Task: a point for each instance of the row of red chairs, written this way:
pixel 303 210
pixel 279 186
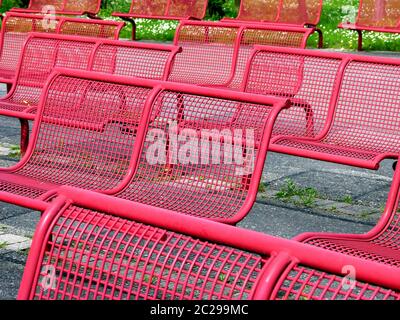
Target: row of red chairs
pixel 378 16
pixel 94 132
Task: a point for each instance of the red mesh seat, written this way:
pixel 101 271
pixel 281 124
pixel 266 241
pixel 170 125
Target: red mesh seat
pixel 164 10
pixel 91 246
pixel 67 7
pixel 85 136
pixel 216 53
pixel 381 244
pixel 379 16
pixel 16 28
pixel 344 107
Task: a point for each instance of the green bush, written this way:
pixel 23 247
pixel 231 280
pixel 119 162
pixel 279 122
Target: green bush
pixel 8 4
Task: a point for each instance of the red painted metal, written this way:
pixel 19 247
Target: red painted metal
pixel 67 7
pixel 16 27
pixel 92 246
pixel 98 139
pixel 378 16
pixel 344 107
pixel 289 12
pixel 381 244
pixel 166 9
pixel 216 53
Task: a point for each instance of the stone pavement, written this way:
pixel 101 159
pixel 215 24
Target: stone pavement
pixel 297 195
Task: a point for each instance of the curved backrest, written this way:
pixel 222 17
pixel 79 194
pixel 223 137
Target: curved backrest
pixel 297 12
pixel 384 14
pixel 91 6
pixel 170 8
pixel 90 28
pixel 309 80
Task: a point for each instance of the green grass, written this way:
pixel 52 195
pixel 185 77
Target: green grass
pixel 3 245
pixel 348 199
pixel 291 192
pixel 261 187
pixel 15 152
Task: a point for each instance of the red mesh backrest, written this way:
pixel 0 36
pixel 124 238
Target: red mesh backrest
pixel 213 183
pixel 303 283
pixel 39 4
pixel 283 11
pixel 149 7
pixel 14 37
pixel 39 59
pixel 300 11
pixel 66 5
pixel 308 81
pixel 187 8
pixel 81 141
pixel 174 8
pixel 90 29
pixel 251 37
pixel 265 10
pixel 207 55
pixel 138 261
pixel 130 61
pixel 368 108
pixel 385 13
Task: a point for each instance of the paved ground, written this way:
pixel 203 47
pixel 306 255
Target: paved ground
pixel 340 199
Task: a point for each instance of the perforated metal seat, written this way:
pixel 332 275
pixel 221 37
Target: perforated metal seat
pixel 91 246
pixel 378 16
pixel 344 107
pixel 16 27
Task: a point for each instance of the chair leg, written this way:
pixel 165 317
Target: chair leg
pixel 133 23
pixel 394 165
pixel 360 40
pixel 9 86
pixel 24 135
pixel 320 38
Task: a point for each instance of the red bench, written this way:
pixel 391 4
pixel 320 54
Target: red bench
pixel 67 7
pixel 303 13
pixel 92 246
pixel 381 244
pixel 345 108
pixel 163 10
pixel 216 53
pixel 98 136
pixel 16 26
pixel 43 52
pixel 378 16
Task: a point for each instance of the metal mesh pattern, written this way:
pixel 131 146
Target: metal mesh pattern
pixel 42 55
pixel 118 59
pixel 208 55
pixel 96 256
pixel 66 5
pixel 172 8
pixel 203 161
pixel 214 56
pixel 17 29
pixel 82 141
pixel 98 30
pixel 365 125
pixel 384 14
pixel 303 283
pixel 298 12
pixel 309 83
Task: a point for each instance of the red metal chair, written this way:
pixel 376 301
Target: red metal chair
pixel 16 28
pixel 373 15
pixel 303 13
pixel 66 7
pixel 345 107
pixel 163 10
pixel 216 53
pixel 43 52
pixel 381 244
pixel 92 246
pixel 99 136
